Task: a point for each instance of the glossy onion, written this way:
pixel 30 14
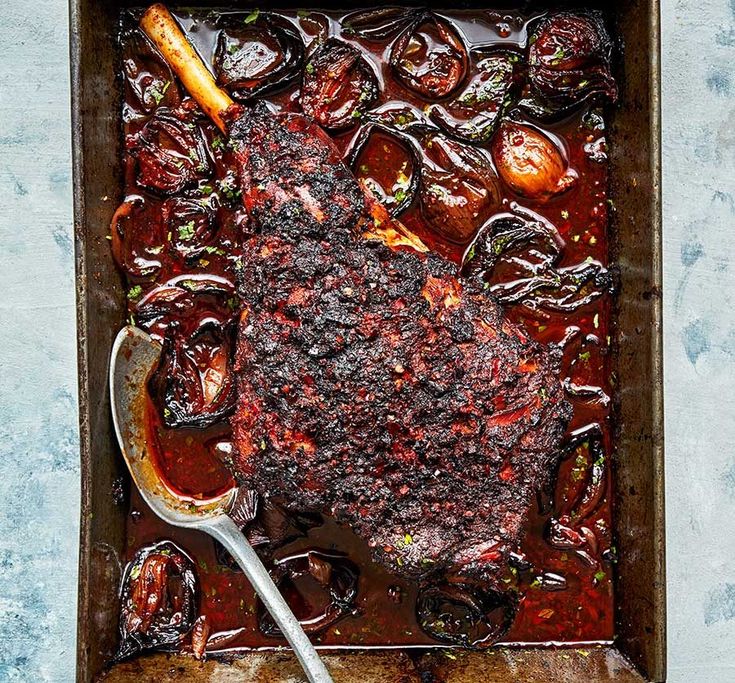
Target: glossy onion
pixel 256 57
pixel 191 224
pixel 430 58
pixel 149 82
pixel 194 383
pixel 386 164
pixel 465 615
pixel 138 237
pixel 339 85
pixel 459 189
pixel 473 114
pixel 171 154
pixel 320 587
pixel 158 599
pixel 529 162
pixel 569 60
pixel 377 24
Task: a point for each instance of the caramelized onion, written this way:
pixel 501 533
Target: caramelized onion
pixel 430 57
pixel 191 224
pixel 377 24
pixel 473 114
pixel 529 162
pixel 171 154
pixel 258 56
pixel 149 82
pixel 193 383
pixel 138 237
pixel 465 615
pixel 459 189
pixel 569 61
pixel 516 256
pixel 384 162
pixel 339 85
pixel 320 587
pixel 158 599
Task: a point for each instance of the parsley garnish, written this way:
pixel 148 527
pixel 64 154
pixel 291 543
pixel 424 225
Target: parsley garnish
pixel 134 292
pixel 252 17
pixel 186 231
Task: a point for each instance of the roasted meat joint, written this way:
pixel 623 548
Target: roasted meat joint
pixel 374 249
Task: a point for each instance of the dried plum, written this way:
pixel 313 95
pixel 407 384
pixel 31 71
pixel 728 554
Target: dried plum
pixel 339 85
pixel 193 383
pixel 320 586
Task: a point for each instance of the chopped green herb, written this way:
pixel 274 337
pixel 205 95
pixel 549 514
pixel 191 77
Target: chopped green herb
pixel 158 93
pixel 310 68
pixel 356 114
pixel 214 250
pixel 408 539
pixel 207 189
pixel 218 142
pixel 186 232
pixel 302 13
pixel 155 250
pixel 399 195
pixel 584 356
pixel 252 17
pixel 596 320
pixel 134 292
pixel 364 168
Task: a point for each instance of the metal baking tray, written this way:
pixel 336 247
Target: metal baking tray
pixel 639 650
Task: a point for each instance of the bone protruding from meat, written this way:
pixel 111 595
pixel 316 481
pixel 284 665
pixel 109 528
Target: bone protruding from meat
pixel 161 27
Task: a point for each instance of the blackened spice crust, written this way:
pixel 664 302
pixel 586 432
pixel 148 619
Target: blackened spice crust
pixel 372 384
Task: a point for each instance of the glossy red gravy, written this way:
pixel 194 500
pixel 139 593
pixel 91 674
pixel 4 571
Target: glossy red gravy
pixel 580 612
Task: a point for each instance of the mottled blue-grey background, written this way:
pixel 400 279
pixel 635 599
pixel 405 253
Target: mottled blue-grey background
pixel 39 470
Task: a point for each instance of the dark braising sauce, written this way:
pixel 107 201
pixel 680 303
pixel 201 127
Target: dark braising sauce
pixel 184 222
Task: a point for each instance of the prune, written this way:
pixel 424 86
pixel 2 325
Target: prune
pixel 465 615
pixel 569 61
pixel 158 599
pixel 459 189
pixel 430 58
pixel 473 114
pixel 529 162
pixel 320 587
pixel 256 53
pixel 171 154
pixel 386 163
pixel 339 85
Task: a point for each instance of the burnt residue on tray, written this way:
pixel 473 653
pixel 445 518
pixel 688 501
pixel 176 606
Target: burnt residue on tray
pixel 433 112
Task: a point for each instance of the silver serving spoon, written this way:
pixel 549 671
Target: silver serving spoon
pixel 134 355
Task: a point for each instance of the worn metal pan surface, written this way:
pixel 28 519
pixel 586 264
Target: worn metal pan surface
pixel 639 650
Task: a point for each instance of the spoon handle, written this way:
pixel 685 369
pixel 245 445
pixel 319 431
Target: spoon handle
pixel 230 536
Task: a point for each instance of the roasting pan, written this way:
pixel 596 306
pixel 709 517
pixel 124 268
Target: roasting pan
pixel 639 651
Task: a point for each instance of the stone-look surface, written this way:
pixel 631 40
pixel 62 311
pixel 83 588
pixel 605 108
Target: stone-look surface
pixel 39 487
pixel 699 285
pixel 39 460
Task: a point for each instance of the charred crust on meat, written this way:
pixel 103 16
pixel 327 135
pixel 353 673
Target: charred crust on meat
pixel 375 386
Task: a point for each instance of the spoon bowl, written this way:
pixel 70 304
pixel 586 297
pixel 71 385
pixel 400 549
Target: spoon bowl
pixel 134 356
